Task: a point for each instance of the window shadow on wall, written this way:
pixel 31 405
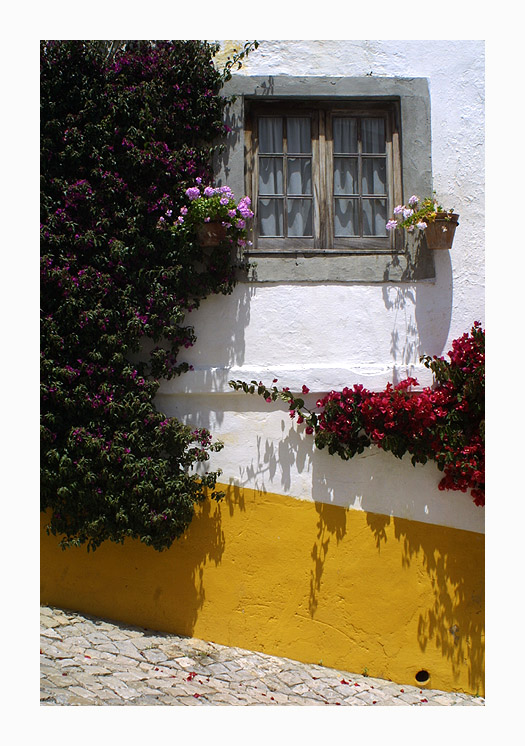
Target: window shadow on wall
pixel 421 312
pixel 434 304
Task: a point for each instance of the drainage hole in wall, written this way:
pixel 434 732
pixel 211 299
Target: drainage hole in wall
pixel 422 676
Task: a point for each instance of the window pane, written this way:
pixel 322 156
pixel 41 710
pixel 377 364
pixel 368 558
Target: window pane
pixel 345 176
pixel 300 217
pixel 345 135
pixel 346 218
pixel 298 135
pixel 271 176
pixel 299 176
pixel 374 176
pixel 373 135
pixel 270 135
pixel 374 217
pixel 271 217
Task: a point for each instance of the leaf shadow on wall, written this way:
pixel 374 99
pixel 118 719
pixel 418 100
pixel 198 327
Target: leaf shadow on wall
pixel 275 463
pixel 131 582
pixel 276 460
pixel 453 623
pixel 331 525
pixel 202 544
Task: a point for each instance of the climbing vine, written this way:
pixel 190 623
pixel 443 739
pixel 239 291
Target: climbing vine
pixel 126 130
pixel 444 423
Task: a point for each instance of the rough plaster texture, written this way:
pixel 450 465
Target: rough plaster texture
pixel 335 334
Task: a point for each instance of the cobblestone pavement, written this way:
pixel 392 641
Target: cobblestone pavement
pixel 88 661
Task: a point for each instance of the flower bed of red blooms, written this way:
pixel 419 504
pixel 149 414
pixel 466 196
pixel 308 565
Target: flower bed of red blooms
pixel 444 422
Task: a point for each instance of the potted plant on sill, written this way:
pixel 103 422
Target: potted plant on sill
pixel 214 216
pixel 429 216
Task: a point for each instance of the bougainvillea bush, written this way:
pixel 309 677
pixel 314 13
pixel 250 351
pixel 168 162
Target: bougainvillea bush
pixel 123 136
pixel 444 422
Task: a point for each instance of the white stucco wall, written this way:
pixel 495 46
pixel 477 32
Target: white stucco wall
pixel 331 336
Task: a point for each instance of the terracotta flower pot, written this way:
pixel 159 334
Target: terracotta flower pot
pixel 211 234
pixel 440 232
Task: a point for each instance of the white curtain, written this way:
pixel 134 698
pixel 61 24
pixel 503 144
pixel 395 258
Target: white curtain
pixel 373 135
pixel 347 155
pixel 298 134
pixel 345 135
pixel 299 217
pixel 374 217
pixel 374 176
pixel 271 176
pixel 271 220
pixel 346 217
pixel 270 135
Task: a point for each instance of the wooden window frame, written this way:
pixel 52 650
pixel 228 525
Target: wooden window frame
pixel 322 113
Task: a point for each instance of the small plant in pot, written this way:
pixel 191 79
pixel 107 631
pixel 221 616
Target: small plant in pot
pixel 429 216
pixel 214 216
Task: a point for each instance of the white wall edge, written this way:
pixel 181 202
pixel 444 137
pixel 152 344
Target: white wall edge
pixel 318 378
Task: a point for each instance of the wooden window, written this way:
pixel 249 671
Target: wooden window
pixel 323 177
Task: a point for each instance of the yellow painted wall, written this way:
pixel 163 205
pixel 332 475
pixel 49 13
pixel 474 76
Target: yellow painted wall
pixel 293 578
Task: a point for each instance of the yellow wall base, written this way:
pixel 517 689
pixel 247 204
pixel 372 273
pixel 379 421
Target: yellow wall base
pixel 363 592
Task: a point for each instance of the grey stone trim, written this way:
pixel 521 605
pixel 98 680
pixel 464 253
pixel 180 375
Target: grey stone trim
pixel 416 262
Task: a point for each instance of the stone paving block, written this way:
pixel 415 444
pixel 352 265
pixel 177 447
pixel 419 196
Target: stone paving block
pixel 94 669
pixel 66 662
pixel 76 643
pixel 81 692
pixel 367 697
pixel 128 648
pixel 51 652
pixel 50 632
pixel 412 699
pixel 127 694
pixel 147 700
pixel 392 702
pixel 163 684
pixel 217 669
pixel 185 662
pixel 190 701
pixel 140 643
pixel 70 630
pixel 108 647
pixel 123 663
pixel 167 666
pixel 62 680
pixel 98 637
pixel 300 689
pixel 93 686
pixel 225 699
pixel 46 622
pixel 290 678
pixel 443 699
pixel 96 654
pixel 130 675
